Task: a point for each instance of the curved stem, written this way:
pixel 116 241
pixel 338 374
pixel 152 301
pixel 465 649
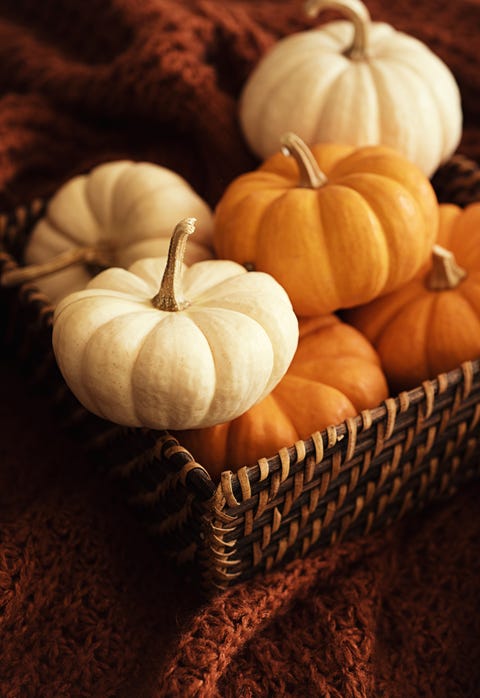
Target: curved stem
pixel 87 255
pixel 311 176
pixel 170 296
pixel 445 272
pixel 357 13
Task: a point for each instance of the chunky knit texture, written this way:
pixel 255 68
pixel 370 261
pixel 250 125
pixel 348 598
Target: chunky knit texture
pixel 158 79
pixel 88 606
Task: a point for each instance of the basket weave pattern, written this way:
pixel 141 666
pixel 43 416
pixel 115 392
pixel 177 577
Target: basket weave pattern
pixel 347 480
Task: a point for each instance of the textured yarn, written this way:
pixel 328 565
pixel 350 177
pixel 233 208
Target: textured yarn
pixel 81 83
pixel 88 605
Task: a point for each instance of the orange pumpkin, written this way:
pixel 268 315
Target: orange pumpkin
pixel 335 225
pixel 432 324
pixel 334 374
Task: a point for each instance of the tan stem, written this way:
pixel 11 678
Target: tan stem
pixel 445 272
pixel 87 255
pixel 170 296
pixel 311 176
pixel 357 13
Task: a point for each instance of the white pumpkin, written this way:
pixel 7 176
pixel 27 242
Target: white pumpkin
pixel 119 212
pixel 356 82
pixel 138 356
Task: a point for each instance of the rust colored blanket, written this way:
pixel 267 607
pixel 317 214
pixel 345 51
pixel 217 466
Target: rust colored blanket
pixel 88 606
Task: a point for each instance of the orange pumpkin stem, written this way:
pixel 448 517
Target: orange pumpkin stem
pixel 88 255
pixel 311 176
pixel 170 296
pixel 357 13
pixel 445 272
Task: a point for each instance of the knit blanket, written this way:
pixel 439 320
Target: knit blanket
pixel 88 605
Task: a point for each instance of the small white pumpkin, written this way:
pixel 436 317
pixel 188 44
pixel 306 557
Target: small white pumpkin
pixel 119 212
pixel 356 82
pixel 140 356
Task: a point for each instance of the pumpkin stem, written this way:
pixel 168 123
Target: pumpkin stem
pixel 87 255
pixel 445 273
pixel 170 296
pixel 311 176
pixel 357 13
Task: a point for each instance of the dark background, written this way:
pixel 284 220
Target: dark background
pixel 88 605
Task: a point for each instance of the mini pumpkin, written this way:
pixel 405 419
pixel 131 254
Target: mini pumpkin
pixel 140 356
pixel 335 225
pixel 432 324
pixel 119 212
pixel 353 81
pixel 334 374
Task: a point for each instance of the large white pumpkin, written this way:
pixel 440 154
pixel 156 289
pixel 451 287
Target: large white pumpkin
pixel 353 81
pixel 140 356
pixel 124 210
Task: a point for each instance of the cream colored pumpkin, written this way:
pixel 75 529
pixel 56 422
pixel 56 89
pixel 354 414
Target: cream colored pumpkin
pixel 142 357
pixel 353 81
pixel 119 212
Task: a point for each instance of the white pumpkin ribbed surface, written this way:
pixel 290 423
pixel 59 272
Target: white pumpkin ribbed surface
pixel 131 363
pixel 131 207
pixel 401 94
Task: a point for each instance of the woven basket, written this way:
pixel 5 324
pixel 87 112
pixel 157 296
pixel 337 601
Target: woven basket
pixel 349 479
